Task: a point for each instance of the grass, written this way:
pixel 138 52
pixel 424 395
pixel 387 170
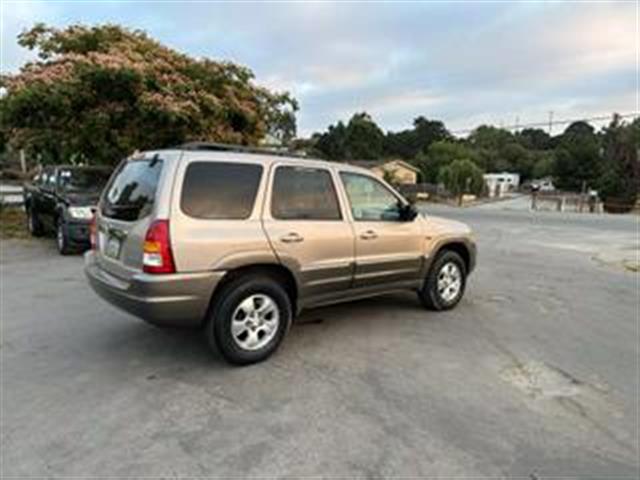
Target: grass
pixel 13 223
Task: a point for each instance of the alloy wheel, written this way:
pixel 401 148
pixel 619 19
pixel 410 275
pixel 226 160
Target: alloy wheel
pixel 255 321
pixel 449 281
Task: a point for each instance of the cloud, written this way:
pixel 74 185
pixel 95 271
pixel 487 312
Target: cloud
pixel 463 63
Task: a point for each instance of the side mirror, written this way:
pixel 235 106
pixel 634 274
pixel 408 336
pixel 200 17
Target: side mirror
pixel 408 212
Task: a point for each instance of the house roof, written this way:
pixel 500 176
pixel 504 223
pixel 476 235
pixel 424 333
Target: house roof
pixel 379 163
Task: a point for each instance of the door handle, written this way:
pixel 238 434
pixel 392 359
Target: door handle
pixel 368 235
pixel 292 237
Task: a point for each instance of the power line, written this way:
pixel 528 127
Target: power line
pixel 550 123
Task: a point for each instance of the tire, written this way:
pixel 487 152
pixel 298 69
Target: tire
pixel 448 268
pixel 33 224
pixel 62 238
pixel 249 319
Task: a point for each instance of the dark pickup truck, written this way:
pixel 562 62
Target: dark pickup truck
pixel 61 199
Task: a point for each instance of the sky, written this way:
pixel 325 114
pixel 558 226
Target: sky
pixel 462 62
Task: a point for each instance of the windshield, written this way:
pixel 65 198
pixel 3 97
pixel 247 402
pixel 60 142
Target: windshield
pixel 83 180
pixel 132 191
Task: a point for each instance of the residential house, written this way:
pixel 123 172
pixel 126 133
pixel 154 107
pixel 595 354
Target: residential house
pixel 400 171
pixel 498 184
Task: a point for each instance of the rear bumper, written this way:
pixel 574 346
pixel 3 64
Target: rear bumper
pixel 176 299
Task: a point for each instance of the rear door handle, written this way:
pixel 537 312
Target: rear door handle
pixel 292 237
pixel 368 235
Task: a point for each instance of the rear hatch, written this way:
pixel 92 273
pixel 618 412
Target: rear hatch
pixel 126 210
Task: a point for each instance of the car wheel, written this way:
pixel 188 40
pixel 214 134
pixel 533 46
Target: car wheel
pixel 445 282
pixel 62 238
pixel 249 319
pixel 33 224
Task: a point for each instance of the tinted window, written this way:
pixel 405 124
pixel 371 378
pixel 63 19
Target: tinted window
pixel 370 199
pixel 83 179
pixel 131 193
pixel 220 190
pixel 301 193
pixel 48 179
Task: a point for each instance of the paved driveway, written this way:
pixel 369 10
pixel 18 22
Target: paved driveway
pixel 534 374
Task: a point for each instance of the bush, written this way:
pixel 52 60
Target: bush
pixel 462 176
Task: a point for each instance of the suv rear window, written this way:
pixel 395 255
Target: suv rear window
pixel 132 191
pixel 220 190
pixel 302 193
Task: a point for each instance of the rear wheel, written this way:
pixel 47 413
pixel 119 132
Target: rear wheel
pixel 445 283
pixel 249 319
pixel 33 224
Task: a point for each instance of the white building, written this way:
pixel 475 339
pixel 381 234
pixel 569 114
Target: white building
pixel 498 184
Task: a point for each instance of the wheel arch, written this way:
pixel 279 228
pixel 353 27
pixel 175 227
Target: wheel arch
pixel 462 247
pixel 275 271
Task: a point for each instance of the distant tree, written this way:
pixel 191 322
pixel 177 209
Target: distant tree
pixel 400 144
pixel 332 144
pixel 620 181
pixel 489 137
pixel 360 139
pixel 578 130
pixel 282 126
pixel 364 138
pixel 517 159
pixel 462 176
pixel 439 155
pixel 543 164
pixel 102 92
pixel 534 139
pixel 407 144
pixel 577 158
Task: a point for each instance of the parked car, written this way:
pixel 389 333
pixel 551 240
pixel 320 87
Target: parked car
pixel 239 242
pixel 61 200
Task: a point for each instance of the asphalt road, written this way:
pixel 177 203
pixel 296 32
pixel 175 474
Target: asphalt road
pixel 535 373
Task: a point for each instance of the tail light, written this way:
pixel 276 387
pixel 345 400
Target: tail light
pixel 157 256
pixel 93 233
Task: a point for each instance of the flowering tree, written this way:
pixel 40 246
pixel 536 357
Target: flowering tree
pixel 102 92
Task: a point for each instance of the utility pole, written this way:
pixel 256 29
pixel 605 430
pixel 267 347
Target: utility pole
pixel 517 124
pixel 550 121
pixel 23 161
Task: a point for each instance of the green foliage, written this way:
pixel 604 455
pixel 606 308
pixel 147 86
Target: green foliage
pixel 407 144
pixel 439 155
pixel 462 176
pixel 577 157
pixel 102 92
pixel 491 138
pixel 534 139
pixel 360 139
pixel 543 164
pixel 621 178
pixel 364 138
pixel 332 145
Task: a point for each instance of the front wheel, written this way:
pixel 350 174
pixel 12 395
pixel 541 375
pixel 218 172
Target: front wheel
pixel 249 319
pixel 445 283
pixel 62 238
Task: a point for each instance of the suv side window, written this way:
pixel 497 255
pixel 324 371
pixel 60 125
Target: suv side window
pixel 302 193
pixel 220 190
pixel 370 200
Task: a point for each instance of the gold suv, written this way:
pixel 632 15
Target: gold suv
pixel 238 241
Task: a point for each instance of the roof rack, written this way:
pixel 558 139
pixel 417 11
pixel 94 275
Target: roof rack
pixel 223 147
